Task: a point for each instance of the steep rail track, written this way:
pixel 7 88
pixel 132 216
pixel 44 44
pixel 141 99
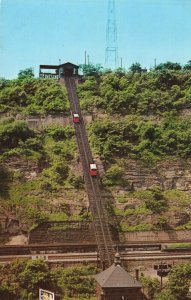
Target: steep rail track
pixel 97 205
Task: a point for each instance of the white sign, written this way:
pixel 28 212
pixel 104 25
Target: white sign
pixel 45 295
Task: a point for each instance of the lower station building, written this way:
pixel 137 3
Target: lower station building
pixel 115 283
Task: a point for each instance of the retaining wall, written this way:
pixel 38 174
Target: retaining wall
pixel 65 232
pixel 156 236
pixel 38 122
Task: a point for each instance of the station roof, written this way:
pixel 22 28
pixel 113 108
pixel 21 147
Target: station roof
pixel 58 66
pixel 49 67
pixel 69 63
pixel 116 277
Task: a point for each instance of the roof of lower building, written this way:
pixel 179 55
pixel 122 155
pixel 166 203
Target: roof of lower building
pixel 116 277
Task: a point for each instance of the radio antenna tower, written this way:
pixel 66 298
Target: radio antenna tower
pixel 111 50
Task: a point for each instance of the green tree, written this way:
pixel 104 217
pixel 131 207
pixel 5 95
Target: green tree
pixel 75 281
pixel 165 294
pixel 169 66
pixel 179 281
pixel 91 69
pixel 3 82
pixel 136 67
pixel 35 275
pixel 11 132
pixel 7 293
pixel 27 73
pixel 150 286
pixel 187 66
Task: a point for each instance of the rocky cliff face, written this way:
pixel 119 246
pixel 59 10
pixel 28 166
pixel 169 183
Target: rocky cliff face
pixel 170 174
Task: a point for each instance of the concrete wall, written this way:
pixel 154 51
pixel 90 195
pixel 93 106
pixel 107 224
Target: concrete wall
pixel 62 232
pixel 74 232
pixel 65 232
pixel 156 236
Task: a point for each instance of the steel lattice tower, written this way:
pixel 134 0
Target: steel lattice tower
pixel 111 50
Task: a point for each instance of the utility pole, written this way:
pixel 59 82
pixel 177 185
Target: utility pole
pixel 111 50
pixel 155 63
pixel 121 62
pixel 85 57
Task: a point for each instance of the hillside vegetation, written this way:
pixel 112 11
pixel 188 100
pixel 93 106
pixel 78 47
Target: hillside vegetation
pixel 142 118
pixel 37 167
pixel 28 95
pixel 138 118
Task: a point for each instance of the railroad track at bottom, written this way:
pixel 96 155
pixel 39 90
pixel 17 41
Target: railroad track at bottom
pixel 93 257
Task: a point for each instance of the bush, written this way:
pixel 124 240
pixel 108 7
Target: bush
pixel 158 203
pixel 138 138
pixel 162 223
pixel 150 286
pixel 76 181
pixel 34 96
pixel 59 133
pixel 5 179
pixel 76 281
pixel 113 176
pixel 54 176
pixel 11 133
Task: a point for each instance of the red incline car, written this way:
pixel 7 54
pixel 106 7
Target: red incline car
pixel 76 118
pixel 93 170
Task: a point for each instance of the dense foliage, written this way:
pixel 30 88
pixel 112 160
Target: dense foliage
pixel 152 93
pixel 140 112
pixel 48 152
pixel 136 115
pixel 176 288
pixel 136 137
pixel 17 139
pixel 22 280
pixel 32 96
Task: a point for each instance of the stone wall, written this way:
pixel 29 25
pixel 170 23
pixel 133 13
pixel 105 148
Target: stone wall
pixel 65 232
pixel 79 232
pixel 156 236
pixel 38 122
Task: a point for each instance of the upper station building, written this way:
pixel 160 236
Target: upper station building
pixel 58 71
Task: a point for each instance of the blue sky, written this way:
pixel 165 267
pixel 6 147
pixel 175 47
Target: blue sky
pixel 34 32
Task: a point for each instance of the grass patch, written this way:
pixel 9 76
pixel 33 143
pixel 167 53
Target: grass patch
pixel 185 226
pixel 178 246
pixel 178 196
pixel 58 217
pixel 140 227
pixel 140 210
pixel 122 198
pixel 26 193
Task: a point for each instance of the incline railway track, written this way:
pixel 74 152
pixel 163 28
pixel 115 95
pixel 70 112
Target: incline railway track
pixel 97 206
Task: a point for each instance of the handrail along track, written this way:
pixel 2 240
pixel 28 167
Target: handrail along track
pixel 97 206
